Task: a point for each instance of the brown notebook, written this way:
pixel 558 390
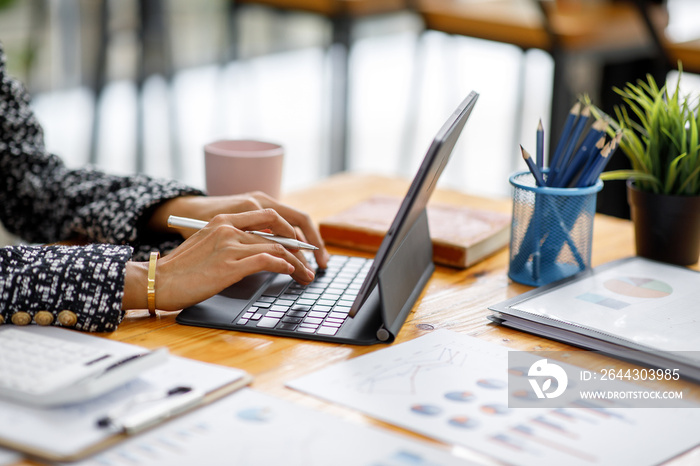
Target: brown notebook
pixel 461 235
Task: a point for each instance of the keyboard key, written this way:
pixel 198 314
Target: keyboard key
pixel 308 325
pixel 286 326
pixel 284 302
pixel 275 314
pixel 327 331
pixel 262 304
pixel 277 285
pixel 325 302
pixel 305 302
pixel 291 320
pixel 267 322
pixel 266 299
pixel 318 314
pixel 301 307
pixel 294 313
pixel 256 316
pixel 306 329
pixel 278 308
pixel 337 288
pixel 334 320
pixel 248 315
pixel 313 320
pixel 331 324
pixel 242 321
pixel 338 315
pixel 318 307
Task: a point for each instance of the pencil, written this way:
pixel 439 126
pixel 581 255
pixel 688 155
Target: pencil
pixel 587 163
pixel 563 139
pixel 603 160
pixel 565 157
pixel 534 169
pixel 540 145
pixel 194 224
pixel 582 154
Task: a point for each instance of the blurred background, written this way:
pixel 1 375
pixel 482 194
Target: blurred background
pixel 363 85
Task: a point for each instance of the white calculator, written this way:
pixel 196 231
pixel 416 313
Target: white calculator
pixel 49 366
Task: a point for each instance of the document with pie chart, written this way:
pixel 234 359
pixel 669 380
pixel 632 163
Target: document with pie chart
pixel 648 310
pixel 454 388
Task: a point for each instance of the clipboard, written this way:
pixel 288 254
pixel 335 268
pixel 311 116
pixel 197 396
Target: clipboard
pixel 69 433
pixel 633 308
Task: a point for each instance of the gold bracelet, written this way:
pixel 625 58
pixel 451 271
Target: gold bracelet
pixel 151 290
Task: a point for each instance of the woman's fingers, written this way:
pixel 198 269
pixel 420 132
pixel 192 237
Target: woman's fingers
pixel 233 244
pixel 300 220
pixel 301 272
pixel 263 219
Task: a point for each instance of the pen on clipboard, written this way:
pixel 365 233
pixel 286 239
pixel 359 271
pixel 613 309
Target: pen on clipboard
pixel 184 222
pixel 151 411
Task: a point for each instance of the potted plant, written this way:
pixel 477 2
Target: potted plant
pixel 660 136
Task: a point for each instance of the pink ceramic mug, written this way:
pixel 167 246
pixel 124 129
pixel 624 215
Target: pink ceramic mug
pixel 241 166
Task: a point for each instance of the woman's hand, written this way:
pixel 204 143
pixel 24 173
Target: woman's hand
pixel 207 207
pixel 215 257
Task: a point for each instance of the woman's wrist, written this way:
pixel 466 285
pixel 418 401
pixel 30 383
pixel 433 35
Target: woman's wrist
pixel 135 286
pixel 183 206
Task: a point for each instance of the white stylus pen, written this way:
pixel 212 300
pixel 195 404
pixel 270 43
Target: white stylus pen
pixel 184 222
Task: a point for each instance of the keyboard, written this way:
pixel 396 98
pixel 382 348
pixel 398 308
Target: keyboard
pixel 37 368
pixel 320 307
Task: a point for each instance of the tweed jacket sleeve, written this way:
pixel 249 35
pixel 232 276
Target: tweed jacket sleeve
pixel 42 201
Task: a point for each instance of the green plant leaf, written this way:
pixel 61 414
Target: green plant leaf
pixel 660 129
pixel 630 174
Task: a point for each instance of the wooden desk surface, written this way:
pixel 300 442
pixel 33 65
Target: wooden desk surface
pixel 453 299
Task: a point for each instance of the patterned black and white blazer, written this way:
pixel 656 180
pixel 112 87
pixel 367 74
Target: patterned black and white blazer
pixel 42 201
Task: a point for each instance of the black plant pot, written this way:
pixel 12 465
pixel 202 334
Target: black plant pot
pixel 667 228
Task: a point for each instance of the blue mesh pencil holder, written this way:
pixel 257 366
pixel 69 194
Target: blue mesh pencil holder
pixel 551 231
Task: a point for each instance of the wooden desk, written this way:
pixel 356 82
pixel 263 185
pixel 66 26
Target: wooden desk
pixel 453 299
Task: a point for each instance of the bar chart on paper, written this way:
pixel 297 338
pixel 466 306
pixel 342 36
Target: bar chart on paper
pixel 453 388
